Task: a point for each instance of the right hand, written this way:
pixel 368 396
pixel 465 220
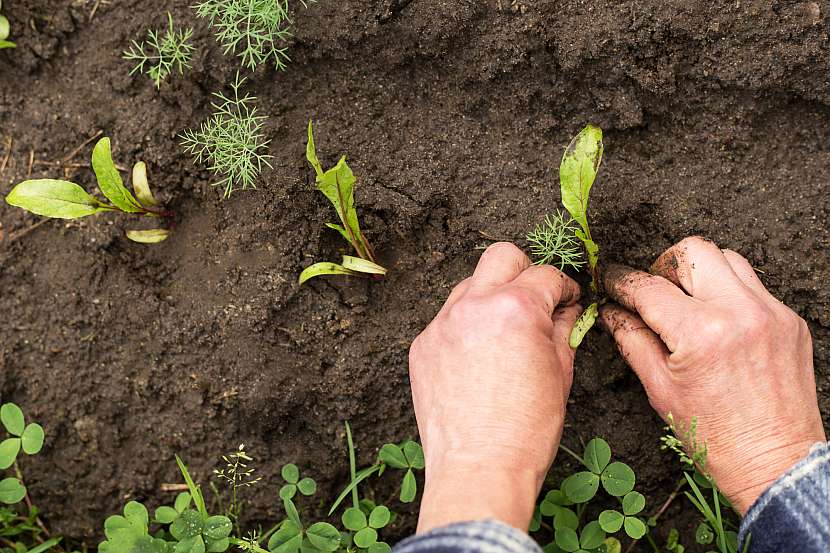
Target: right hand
pixel 707 340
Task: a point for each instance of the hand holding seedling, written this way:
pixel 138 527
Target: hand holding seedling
pixel 490 377
pixel 709 341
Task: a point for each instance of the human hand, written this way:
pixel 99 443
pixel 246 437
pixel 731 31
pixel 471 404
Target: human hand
pixel 490 377
pixel 707 340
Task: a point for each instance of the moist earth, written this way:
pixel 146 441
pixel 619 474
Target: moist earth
pixel 454 115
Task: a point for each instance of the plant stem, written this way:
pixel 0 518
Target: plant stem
pixel 572 454
pixel 28 500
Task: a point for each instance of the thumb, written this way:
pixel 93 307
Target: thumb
pixel 642 349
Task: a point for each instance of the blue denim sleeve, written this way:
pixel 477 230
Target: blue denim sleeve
pixel 484 536
pixel 794 513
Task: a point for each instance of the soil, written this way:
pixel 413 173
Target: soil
pixel 454 115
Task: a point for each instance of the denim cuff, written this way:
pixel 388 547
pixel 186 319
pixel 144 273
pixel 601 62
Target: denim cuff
pixel 794 511
pixel 481 536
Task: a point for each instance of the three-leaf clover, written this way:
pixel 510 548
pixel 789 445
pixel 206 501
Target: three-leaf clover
pixel 197 533
pixel 366 528
pixel 632 503
pixel 291 474
pixel 129 533
pixel 29 438
pixel 408 456
pixel 617 478
pixel 166 515
pixel 555 504
pixel 589 540
pixel 292 537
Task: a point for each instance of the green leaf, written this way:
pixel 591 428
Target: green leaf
pixel 32 438
pixel 12 418
pixel 567 539
pixel 592 536
pixel 611 521
pixel 311 152
pixel 354 519
pixel 582 325
pixel 288 491
pixel 414 454
pixel 324 268
pixel 597 455
pixel 109 180
pixel 217 546
pixel 581 487
pixel 359 477
pixel 557 497
pixel 187 525
pixel 45 546
pixel 577 173
pixel 11 491
pixel 565 518
pixel 182 502
pixel 5 28
pixel 9 449
pixel 635 527
pixel 704 534
pixel 115 523
pixel 290 473
pixel 195 491
pixel 150 236
pixel 409 487
pixel 618 479
pixel 633 503
pixel 380 547
pixel 137 514
pixel 141 187
pixel 362 265
pixel 379 517
pixel 287 539
pixel 536 520
pixel 324 536
pixel 393 456
pixel 291 512
pixel 166 515
pixel 366 537
pixel 58 199
pixel 307 486
pixel 7 44
pixel 217 527
pixel 190 545
pixel 612 545
pixel 337 184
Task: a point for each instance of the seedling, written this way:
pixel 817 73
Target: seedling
pixel 62 199
pixel 555 239
pixel 231 142
pixel 292 535
pixel 5 30
pixel 291 474
pixel 251 29
pixel 236 474
pixel 26 437
pixel 165 53
pixel 337 184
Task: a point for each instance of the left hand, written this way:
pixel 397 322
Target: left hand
pixel 490 378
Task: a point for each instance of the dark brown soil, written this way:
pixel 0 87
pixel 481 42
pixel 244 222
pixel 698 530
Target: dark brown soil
pixel 454 114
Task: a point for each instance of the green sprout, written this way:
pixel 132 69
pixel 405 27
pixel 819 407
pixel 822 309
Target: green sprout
pixel 236 474
pixel 366 528
pixel 165 53
pixel 291 474
pixel 5 30
pixel 292 535
pixel 554 242
pixel 62 199
pixel 26 437
pixel 337 184
pixel 231 141
pixel 252 29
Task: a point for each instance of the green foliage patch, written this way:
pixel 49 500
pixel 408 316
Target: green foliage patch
pixel 161 54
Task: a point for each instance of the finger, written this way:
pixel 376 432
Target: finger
pixel 641 348
pixel 549 284
pixel 563 321
pixel 457 292
pixel 699 267
pixel 746 273
pixel 499 264
pixel 661 304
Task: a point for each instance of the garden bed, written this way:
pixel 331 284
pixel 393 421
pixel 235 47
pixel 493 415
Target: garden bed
pixel 454 115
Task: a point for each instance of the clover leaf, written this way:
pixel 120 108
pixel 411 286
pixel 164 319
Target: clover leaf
pixel 612 521
pixel 291 474
pixel 555 505
pixel 366 528
pixel 617 478
pixel 408 456
pixel 589 539
pixel 166 515
pixel 198 533
pixel 291 536
pixel 129 533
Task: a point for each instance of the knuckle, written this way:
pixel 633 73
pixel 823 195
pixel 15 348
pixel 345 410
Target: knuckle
pixel 715 328
pixel 511 302
pixel 758 320
pixel 503 248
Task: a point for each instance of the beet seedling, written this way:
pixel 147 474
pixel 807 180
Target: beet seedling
pixel 62 199
pixel 165 53
pixel 337 184
pixel 5 30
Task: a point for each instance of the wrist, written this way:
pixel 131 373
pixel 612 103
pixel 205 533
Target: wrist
pixel 469 492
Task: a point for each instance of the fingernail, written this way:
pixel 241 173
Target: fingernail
pixel 615 272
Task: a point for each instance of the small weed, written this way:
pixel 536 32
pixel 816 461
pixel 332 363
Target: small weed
pixel 254 30
pixel 337 184
pixel 231 141
pixel 66 200
pixel 236 474
pixel 5 30
pixel 164 53
pixel 554 242
pixel 25 437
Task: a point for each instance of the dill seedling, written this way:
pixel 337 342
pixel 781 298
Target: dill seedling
pixel 231 140
pixel 553 242
pixel 253 29
pixel 237 475
pixel 166 53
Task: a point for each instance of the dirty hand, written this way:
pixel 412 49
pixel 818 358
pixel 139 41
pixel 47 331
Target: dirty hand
pixel 490 377
pixel 708 341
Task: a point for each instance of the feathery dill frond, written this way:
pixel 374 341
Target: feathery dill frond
pixel 231 141
pixel 553 242
pixel 164 53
